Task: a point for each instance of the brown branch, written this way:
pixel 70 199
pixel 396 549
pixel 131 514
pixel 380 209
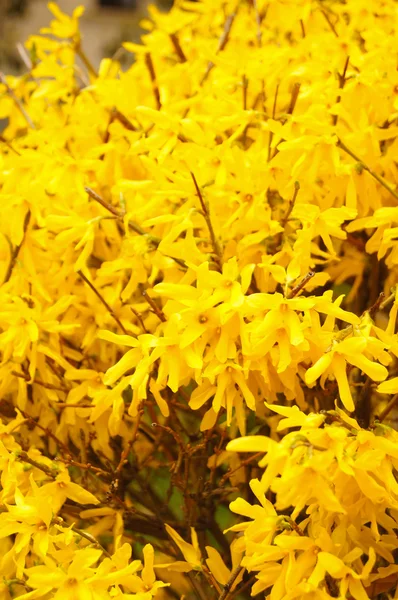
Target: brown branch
pixel 17 101
pixel 244 463
pixel 293 98
pixel 302 283
pixel 139 318
pixel 85 60
pixel 377 305
pixel 342 80
pixel 388 408
pixel 123 458
pixel 48 386
pixel 104 302
pixel 104 203
pixel 221 43
pixel 119 116
pixel 177 47
pixel 132 225
pixel 10 146
pixel 16 250
pixel 291 204
pixel 158 312
pixel 227 587
pixel 329 22
pixel 206 214
pixel 271 135
pixel 364 166
pixel 152 75
pixel 47 431
pixel 42 467
pixel 258 23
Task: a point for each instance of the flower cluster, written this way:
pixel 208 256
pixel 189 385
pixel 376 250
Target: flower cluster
pixel 187 246
pixel 340 481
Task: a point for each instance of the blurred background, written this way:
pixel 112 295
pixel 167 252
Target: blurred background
pixel 104 25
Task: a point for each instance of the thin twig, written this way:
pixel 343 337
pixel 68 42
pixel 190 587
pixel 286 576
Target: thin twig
pixel 104 302
pixel 48 386
pixel 364 166
pixel 16 250
pixel 132 225
pixel 388 408
pixel 177 47
pixel 123 458
pixel 152 75
pixel 291 204
pixel 377 305
pixel 271 135
pixel 158 312
pixel 258 23
pixel 139 318
pixel 244 587
pixel 17 101
pixel 389 299
pixel 244 463
pixel 342 80
pixel 227 587
pixel 221 43
pixel 87 536
pixel 300 285
pixel 293 98
pixel 47 431
pixel 329 22
pixel 85 60
pixel 206 214
pixel 44 468
pixel 10 146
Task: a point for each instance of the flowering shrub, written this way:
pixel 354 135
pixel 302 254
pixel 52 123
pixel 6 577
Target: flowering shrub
pixel 198 260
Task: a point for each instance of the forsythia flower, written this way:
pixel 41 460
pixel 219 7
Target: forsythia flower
pixel 198 246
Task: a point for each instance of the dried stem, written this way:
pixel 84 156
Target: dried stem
pixel 17 101
pixel 342 80
pixel 158 312
pixel 132 225
pixel 104 302
pixel 291 204
pixel 123 458
pixel 177 47
pixel 302 283
pixel 293 98
pixel 206 214
pixel 48 386
pixel 10 146
pixel 85 60
pixel 244 463
pixel 47 431
pixel 377 305
pixel 139 318
pixel 44 468
pixel 271 135
pixel 221 43
pixel 152 75
pixel 364 166
pixel 258 23
pixel 389 299
pixel 329 22
pixel 16 250
pixel 227 587
pixel 388 408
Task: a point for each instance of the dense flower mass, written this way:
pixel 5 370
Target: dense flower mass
pixel 191 248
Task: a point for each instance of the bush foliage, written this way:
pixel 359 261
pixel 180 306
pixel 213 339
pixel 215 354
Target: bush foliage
pixel 198 310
